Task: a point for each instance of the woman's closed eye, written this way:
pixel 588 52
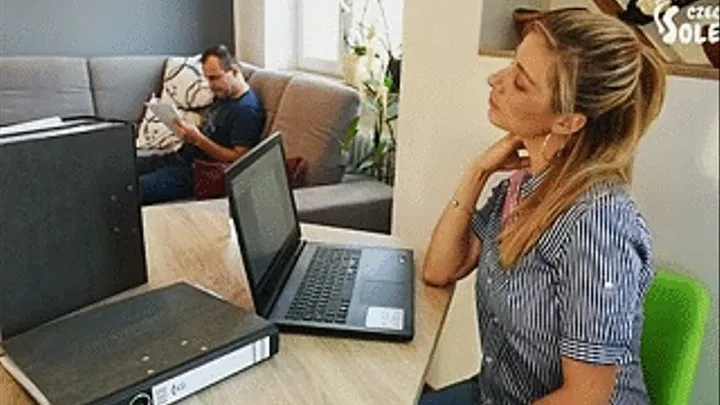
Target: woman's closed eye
pixel 518 82
pixel 517 76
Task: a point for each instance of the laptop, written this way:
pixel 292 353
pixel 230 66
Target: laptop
pixel 313 287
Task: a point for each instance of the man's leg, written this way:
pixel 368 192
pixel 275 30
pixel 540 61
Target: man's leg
pixel 148 164
pixel 166 184
pixel 461 393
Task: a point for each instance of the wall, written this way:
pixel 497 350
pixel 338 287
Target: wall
pixel 496 29
pixel 443 125
pixel 113 27
pixel 266 31
pixel 250 31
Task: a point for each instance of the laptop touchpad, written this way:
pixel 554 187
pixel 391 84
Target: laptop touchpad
pixel 382 293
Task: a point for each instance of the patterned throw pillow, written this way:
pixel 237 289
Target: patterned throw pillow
pixel 185 86
pixel 184 83
pixel 154 135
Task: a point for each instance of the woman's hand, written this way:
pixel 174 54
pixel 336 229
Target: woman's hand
pixel 501 156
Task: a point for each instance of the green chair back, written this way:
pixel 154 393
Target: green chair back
pixel 676 311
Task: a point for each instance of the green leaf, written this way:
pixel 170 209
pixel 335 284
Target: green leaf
pixel 350 133
pixel 360 50
pixel 388 81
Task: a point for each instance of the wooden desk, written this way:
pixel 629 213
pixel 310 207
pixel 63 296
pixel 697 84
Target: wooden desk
pixel 193 242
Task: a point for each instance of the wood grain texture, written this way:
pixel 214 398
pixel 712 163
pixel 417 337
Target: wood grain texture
pixel 193 242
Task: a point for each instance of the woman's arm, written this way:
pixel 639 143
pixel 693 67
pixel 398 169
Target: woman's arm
pixel 454 249
pixel 583 383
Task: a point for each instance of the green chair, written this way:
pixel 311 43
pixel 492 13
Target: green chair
pixel 676 311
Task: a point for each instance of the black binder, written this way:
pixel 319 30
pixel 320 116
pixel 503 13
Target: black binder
pixel 154 348
pixel 70 223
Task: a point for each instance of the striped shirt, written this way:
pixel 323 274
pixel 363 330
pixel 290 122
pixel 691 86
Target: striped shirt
pixel 578 293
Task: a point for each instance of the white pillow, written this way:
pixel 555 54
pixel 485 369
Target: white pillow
pixel 154 135
pixel 184 83
pixel 185 86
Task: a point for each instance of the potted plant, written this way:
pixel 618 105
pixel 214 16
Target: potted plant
pixel 370 65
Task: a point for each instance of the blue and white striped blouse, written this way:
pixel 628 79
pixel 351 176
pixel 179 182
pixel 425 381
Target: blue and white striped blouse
pixel 578 293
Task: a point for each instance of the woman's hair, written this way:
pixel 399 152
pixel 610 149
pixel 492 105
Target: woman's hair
pixel 603 71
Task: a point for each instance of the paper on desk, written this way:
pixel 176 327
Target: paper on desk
pixel 165 112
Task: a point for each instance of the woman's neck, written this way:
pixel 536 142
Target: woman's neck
pixel 534 147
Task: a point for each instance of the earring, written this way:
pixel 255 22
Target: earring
pixel 544 145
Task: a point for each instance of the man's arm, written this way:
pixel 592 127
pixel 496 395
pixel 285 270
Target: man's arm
pixel 583 383
pixel 194 136
pixel 219 152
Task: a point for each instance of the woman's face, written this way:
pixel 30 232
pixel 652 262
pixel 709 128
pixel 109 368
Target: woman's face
pixel 520 98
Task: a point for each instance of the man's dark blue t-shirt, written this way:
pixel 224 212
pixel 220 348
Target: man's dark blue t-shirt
pixel 232 122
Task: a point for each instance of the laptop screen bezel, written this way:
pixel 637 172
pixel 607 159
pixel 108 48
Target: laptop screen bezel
pixel 266 290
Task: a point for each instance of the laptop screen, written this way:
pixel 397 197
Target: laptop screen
pixel 263 210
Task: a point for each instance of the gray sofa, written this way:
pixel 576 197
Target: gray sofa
pixel 312 114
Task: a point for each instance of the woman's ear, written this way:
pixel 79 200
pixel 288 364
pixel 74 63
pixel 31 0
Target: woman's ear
pixel 569 124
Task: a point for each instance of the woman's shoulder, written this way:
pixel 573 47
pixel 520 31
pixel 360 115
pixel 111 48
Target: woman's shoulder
pixel 612 207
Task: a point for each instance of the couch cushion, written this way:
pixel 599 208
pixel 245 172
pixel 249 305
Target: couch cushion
pixel 247 69
pixel 33 87
pixel 364 205
pixel 269 86
pixel 185 84
pixel 122 83
pixel 313 115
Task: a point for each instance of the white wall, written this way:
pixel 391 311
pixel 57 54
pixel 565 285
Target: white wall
pixel 250 31
pixel 265 32
pixel 281 34
pixel 443 125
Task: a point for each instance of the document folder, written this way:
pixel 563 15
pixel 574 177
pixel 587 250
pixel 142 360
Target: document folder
pixel 157 348
pixel 70 224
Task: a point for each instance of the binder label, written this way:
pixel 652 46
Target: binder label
pixel 209 373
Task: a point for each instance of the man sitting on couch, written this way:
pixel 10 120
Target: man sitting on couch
pixel 234 124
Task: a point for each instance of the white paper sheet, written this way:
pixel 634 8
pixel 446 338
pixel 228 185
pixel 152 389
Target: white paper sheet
pixel 166 113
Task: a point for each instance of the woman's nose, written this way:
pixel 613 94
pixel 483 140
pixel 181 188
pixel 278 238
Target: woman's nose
pixel 495 79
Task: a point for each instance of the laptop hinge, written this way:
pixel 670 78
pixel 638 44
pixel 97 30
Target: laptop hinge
pixel 284 277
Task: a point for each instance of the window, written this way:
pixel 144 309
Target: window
pixel 324 25
pixel 319 40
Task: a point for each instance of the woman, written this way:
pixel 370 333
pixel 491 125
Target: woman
pixel 563 255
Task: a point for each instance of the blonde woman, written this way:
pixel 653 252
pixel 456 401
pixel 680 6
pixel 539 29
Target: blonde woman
pixel 563 255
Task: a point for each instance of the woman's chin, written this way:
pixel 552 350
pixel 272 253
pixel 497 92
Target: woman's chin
pixel 494 119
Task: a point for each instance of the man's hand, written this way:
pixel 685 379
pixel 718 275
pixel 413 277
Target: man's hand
pixel 189 133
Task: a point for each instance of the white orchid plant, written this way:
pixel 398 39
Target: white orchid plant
pixel 366 66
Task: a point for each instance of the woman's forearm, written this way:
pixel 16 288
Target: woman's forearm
pixel 448 257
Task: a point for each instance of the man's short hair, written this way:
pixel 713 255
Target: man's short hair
pixel 221 52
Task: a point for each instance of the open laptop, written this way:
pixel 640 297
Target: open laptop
pixel 311 287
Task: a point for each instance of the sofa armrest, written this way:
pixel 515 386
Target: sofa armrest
pixel 364 205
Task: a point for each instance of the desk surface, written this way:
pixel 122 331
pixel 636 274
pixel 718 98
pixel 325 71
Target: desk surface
pixel 193 242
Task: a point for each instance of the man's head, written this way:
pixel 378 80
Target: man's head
pixel 222 72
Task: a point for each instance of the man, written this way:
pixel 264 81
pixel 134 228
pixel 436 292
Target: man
pixel 234 125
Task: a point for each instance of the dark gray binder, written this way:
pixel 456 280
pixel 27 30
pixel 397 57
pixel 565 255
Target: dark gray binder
pixel 70 223
pixel 153 348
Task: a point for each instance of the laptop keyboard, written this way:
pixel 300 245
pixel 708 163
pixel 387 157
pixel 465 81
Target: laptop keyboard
pixel 326 289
